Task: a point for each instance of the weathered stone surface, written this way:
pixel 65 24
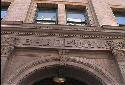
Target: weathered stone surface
pixel 28 48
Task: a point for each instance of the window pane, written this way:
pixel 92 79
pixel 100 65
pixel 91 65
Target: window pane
pixel 46 15
pixel 3 12
pixel 76 17
pixel 120 20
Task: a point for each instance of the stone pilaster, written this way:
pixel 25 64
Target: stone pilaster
pixel 61 14
pixel 18 10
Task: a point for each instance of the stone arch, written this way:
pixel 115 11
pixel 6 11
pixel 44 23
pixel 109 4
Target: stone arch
pixel 41 63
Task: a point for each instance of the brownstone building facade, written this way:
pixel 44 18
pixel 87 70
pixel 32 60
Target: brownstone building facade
pixel 37 50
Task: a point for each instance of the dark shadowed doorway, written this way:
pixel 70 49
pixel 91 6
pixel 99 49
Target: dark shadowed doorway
pixel 66 81
pixel 61 75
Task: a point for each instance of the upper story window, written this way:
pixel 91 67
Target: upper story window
pixel 4 8
pixel 76 15
pixel 120 16
pixel 46 15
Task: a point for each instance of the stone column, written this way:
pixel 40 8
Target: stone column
pixel 104 13
pixel 61 14
pixel 18 10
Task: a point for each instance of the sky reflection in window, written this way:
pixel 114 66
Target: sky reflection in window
pixel 75 17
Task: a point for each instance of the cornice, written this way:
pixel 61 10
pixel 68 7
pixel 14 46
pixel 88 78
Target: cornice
pixel 23 29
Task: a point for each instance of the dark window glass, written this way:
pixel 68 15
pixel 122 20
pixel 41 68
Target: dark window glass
pixel 46 16
pixel 76 18
pixel 3 12
pixel 120 18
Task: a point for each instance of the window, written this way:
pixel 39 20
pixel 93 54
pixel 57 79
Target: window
pixel 4 8
pixel 46 15
pixel 120 16
pixel 76 16
pixel 3 12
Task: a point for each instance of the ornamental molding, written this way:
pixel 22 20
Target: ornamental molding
pixel 59 43
pixel 18 29
pixel 22 72
pixel 8 43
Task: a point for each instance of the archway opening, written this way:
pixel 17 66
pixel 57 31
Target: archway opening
pixel 67 81
pixel 72 76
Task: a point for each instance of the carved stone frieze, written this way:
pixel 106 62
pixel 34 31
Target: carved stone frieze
pixel 61 43
pixel 62 31
pixel 116 44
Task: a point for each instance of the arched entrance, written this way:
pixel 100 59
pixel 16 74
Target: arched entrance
pixel 74 68
pixel 69 75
